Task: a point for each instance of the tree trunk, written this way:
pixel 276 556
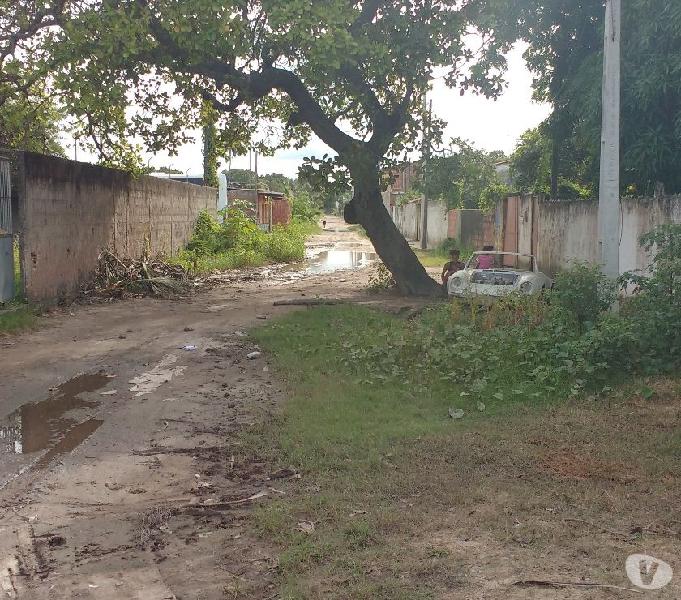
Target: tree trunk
pixel 367 208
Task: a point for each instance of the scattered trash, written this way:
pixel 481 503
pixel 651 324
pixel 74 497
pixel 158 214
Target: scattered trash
pixel 456 413
pixel 253 355
pixel 113 486
pixel 188 329
pixel 188 347
pixel 108 393
pixel 481 406
pixel 306 526
pixel 240 334
pixel 266 369
pixel 262 317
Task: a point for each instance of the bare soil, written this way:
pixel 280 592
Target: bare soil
pixel 119 477
pixel 132 483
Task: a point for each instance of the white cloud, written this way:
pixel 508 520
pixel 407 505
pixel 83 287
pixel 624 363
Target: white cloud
pixel 492 124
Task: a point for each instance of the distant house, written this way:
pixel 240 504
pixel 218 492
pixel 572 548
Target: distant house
pixel 266 208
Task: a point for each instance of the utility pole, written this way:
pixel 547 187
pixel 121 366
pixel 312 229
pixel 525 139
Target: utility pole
pixel 609 191
pixel 256 169
pixel 425 160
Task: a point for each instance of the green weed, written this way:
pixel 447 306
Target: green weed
pixel 237 242
pixel 17 318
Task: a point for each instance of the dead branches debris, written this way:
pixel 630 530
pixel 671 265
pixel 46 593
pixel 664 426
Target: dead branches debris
pixel 310 302
pixel 534 583
pixel 117 277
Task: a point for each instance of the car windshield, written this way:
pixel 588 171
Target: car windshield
pixel 501 260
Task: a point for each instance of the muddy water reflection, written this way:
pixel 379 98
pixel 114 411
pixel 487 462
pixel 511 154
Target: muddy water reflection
pixel 340 260
pixel 37 426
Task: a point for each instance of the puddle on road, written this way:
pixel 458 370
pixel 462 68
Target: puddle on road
pixel 39 426
pixel 339 260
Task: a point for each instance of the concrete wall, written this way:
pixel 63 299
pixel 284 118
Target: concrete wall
pixel 567 231
pixel 639 217
pixel 472 228
pixel 438 224
pixel 407 217
pixel 70 211
pixel 561 232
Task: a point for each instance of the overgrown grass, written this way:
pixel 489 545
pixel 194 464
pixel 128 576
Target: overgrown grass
pixel 386 472
pixel 16 318
pixel 237 242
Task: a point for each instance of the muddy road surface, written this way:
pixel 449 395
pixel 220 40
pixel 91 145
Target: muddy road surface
pixel 119 477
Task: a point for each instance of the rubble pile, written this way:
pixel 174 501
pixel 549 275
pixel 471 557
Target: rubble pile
pixel 117 277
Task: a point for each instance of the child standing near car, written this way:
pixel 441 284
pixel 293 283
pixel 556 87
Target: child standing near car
pixel 453 266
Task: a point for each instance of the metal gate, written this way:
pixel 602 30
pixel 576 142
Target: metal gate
pixel 6 239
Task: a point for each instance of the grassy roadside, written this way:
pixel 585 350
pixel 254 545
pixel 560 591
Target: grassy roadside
pixel 16 318
pixel 399 501
pixel 432 258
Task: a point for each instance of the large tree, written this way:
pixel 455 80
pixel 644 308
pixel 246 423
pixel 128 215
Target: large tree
pixel 354 72
pixel 565 40
pixel 29 117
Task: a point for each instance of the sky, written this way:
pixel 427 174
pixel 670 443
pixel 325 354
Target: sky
pixel 489 124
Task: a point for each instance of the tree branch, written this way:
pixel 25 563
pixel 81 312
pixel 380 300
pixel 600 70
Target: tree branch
pixel 254 86
pixel 366 16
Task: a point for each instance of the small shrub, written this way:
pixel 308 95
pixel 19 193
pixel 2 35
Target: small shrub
pixel 381 279
pixel 584 293
pixel 238 242
pixel 655 309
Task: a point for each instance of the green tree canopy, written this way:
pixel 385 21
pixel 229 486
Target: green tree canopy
pixel 29 115
pixel 463 177
pixel 354 72
pixel 565 40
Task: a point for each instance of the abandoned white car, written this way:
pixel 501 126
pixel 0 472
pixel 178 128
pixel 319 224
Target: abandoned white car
pixel 494 274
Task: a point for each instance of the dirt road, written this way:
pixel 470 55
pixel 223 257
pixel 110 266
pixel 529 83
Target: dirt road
pixel 116 458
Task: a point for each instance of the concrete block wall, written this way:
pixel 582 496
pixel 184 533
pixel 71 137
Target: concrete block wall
pixel 566 231
pixel 70 211
pixel 438 223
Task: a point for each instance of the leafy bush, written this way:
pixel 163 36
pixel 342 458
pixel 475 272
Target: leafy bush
pixel 584 292
pixel 239 242
pixel 381 279
pixel 303 205
pixel 656 306
pixel 563 344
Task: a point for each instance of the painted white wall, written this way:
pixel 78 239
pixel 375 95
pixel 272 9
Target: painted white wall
pixel 222 191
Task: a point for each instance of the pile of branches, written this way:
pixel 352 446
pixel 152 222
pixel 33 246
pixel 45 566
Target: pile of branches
pixel 117 277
